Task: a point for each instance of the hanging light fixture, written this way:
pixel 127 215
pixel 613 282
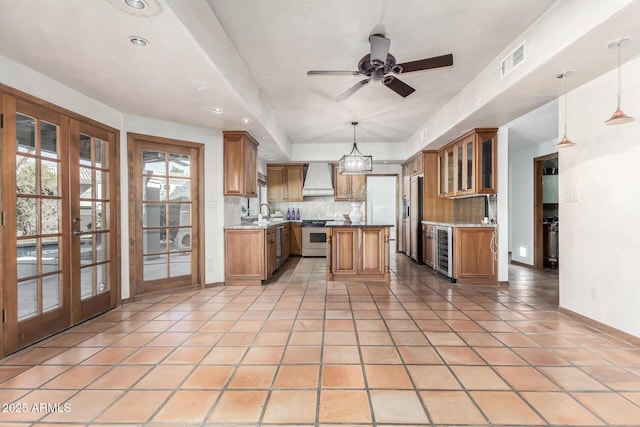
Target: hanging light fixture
pixel 619 117
pixel 355 163
pixel 565 141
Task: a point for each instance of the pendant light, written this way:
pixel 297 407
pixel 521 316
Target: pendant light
pixel 565 141
pixel 619 117
pixel 355 163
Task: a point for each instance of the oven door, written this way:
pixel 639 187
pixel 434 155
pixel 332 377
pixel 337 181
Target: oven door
pixel 314 241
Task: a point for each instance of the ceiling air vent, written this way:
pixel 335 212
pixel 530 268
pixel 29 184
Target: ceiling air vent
pixel 515 58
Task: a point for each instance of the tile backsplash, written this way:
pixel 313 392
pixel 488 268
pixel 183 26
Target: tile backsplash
pixel 316 208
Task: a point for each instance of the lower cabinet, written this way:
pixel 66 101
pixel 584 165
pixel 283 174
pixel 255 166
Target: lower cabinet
pixel 250 256
pixel 429 245
pixel 473 261
pixel 358 253
pixel 295 238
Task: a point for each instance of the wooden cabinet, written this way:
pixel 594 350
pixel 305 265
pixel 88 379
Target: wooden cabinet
pixel 434 206
pixel 346 184
pixel 486 155
pixel 474 261
pixel 468 165
pixel 413 166
pixel 295 238
pixel 465 166
pixel 446 172
pixel 284 182
pixel 429 245
pixel 344 251
pixel 358 253
pixel 247 259
pixel 240 164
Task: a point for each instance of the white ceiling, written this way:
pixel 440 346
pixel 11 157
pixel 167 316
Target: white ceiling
pixel 250 58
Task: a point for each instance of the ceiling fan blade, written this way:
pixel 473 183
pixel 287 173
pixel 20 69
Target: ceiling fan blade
pixel 427 63
pixel 379 49
pixel 353 89
pixel 333 73
pixel 398 86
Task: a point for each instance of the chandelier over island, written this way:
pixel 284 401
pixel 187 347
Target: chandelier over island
pixel 355 163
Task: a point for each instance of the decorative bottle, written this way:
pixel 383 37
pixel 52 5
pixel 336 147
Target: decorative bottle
pixel 288 213
pixel 298 214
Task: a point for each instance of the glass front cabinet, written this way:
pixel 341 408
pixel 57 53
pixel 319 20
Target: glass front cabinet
pixel 468 164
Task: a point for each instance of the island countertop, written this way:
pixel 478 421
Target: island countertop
pixel 360 224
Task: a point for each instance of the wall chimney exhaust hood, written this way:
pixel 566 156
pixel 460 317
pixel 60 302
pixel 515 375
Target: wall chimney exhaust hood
pixel 318 181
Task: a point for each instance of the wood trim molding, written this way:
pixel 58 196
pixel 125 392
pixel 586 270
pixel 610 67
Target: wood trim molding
pixel 616 333
pixel 71 114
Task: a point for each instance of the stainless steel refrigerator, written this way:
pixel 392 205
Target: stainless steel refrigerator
pixel 415 219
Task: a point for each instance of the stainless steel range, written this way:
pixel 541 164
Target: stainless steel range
pixel 314 237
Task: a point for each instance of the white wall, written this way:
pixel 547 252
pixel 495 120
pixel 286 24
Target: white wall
pixel 521 198
pixel 600 204
pixel 25 79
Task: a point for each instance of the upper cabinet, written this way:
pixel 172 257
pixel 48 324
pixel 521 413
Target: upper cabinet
pixel 413 166
pixel 284 182
pixel 487 155
pixel 467 166
pixel 240 164
pixel 344 185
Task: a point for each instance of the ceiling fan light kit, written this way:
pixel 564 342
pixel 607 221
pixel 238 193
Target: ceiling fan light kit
pixel 379 63
pixel 355 163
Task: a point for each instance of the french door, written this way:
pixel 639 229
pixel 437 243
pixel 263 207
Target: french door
pixel 164 219
pixel 58 224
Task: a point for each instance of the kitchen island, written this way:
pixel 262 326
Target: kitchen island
pixel 358 251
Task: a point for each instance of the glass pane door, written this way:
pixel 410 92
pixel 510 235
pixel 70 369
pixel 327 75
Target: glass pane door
pixel 93 220
pixel 34 247
pixel 38 216
pixel 165 215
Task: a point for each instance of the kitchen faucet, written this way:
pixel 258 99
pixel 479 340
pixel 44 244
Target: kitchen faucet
pixel 268 209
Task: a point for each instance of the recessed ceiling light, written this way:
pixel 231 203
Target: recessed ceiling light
pixel 246 120
pixel 138 41
pixel 217 110
pixel 136 4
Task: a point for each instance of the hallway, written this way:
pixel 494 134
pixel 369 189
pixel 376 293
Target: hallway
pixel 303 351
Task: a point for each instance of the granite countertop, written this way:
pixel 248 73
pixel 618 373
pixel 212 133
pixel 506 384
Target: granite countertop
pixel 257 225
pixel 361 224
pixel 459 224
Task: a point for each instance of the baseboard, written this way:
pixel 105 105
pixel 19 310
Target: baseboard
pixel 213 285
pixel 521 264
pixel 617 333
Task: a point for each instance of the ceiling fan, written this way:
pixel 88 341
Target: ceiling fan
pixel 379 63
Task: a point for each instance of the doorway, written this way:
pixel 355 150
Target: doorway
pixel 382 202
pixel 546 218
pixel 165 211
pixel 59 214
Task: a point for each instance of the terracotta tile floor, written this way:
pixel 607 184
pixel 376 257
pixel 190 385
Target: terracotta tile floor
pixel 301 351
